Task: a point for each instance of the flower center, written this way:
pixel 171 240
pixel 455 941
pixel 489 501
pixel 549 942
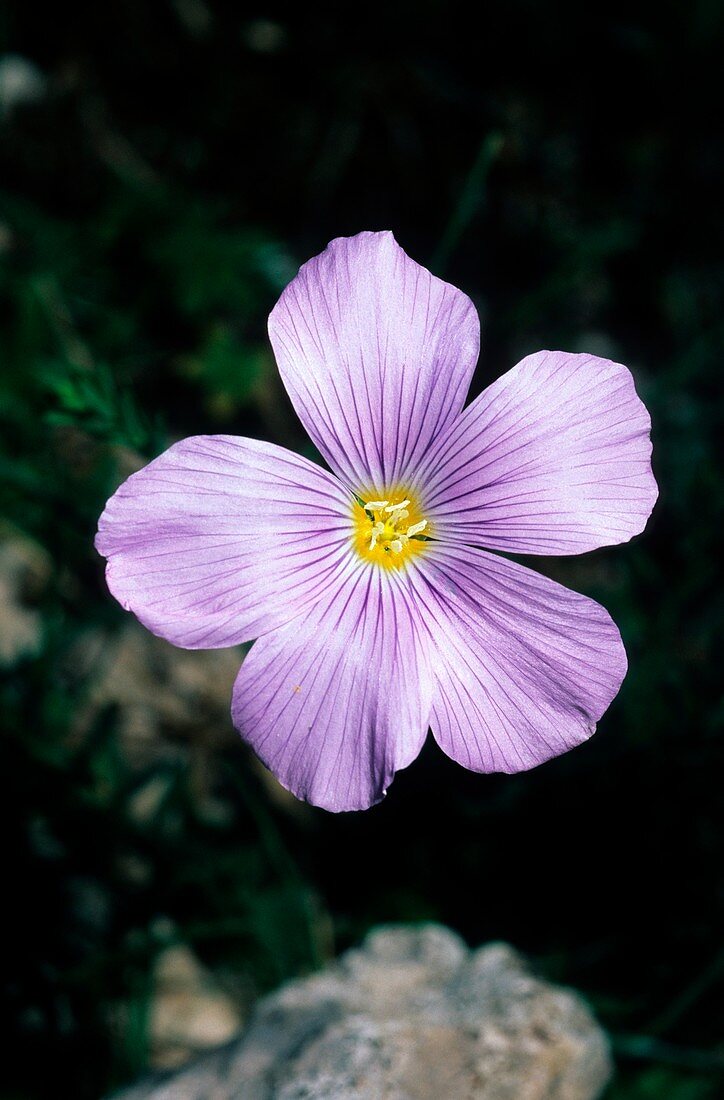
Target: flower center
pixel 389 529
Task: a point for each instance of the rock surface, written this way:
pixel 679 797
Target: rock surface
pixel 24 571
pixel 188 1010
pixel 411 1015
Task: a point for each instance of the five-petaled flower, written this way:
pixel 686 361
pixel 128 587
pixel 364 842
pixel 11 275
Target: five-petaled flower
pixel 376 611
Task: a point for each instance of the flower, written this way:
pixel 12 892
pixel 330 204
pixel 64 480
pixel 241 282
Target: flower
pixel 376 611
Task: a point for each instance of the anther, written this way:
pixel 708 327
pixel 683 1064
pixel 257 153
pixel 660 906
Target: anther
pixel 385 530
pixel 377 530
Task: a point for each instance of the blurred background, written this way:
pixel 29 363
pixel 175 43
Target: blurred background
pixel 164 169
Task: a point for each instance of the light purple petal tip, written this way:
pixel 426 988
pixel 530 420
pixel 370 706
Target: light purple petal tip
pixel 553 458
pixel 376 354
pixel 337 702
pixel 221 539
pixel 525 668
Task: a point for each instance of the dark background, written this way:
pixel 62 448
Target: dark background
pixel 164 168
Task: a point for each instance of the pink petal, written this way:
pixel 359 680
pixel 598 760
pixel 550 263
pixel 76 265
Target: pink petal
pixel 335 703
pixel 524 667
pixel 376 354
pixel 553 458
pixel 220 539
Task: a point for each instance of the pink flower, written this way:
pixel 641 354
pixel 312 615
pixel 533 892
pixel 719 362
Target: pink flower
pixel 377 612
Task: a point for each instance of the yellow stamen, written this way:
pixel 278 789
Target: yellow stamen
pixel 389 532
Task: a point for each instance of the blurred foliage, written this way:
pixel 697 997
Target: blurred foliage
pixel 165 167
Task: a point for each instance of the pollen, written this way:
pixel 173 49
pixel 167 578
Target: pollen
pixel 390 530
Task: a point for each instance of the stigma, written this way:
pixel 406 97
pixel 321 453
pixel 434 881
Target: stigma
pixel 389 530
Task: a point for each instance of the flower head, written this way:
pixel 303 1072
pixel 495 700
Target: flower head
pixel 376 610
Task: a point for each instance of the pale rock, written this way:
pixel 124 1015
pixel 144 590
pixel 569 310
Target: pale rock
pixel 411 1015
pixel 21 82
pixel 189 1012
pixel 24 572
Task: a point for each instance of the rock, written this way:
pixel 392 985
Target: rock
pixel 154 688
pixel 188 1011
pixel 21 82
pixel 172 707
pixel 411 1015
pixel 24 572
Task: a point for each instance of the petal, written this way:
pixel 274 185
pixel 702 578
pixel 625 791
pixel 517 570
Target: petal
pixel 336 703
pixel 376 354
pixel 553 458
pixel 524 667
pixel 220 539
